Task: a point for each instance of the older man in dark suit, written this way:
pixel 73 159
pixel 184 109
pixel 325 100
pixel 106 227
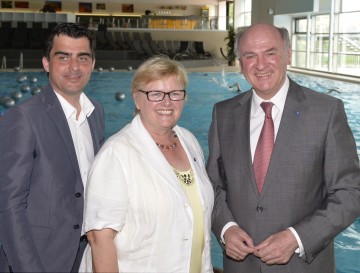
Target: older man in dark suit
pixel 284 165
pixel 47 145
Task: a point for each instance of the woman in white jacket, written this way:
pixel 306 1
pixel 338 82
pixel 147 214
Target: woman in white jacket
pixel 149 199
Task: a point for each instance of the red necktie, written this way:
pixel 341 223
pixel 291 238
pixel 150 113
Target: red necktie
pixel 264 146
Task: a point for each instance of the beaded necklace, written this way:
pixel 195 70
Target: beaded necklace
pixel 168 147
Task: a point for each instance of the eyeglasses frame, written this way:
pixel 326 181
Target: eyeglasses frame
pixel 165 93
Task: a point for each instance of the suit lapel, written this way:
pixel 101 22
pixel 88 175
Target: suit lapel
pixel 241 146
pixel 293 110
pixel 93 129
pixel 56 114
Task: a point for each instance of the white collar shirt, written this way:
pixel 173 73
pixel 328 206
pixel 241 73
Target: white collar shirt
pixel 257 117
pixel 257 114
pixel 80 132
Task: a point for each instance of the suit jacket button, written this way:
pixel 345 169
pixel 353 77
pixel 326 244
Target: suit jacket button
pixel 78 194
pixel 259 209
pixel 76 226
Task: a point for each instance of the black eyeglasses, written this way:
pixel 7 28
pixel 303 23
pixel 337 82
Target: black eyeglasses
pixel 155 95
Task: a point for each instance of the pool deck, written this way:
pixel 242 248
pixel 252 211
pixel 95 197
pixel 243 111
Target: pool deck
pixel 219 66
pixel 236 68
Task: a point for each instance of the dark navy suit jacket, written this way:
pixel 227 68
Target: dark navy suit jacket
pixel 41 191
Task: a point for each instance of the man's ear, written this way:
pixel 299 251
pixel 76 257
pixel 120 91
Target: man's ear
pixel 45 63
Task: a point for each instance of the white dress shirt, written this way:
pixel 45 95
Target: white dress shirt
pixel 81 134
pixel 257 116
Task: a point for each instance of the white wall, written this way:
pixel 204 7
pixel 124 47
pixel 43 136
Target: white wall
pixel 283 21
pixel 222 15
pixel 323 5
pixel 261 8
pixel 286 6
pixel 260 11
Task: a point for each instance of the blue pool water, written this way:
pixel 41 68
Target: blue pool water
pixel 204 90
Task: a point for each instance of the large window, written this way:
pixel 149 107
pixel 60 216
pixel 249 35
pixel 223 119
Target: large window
pixel 229 14
pixel 299 42
pixel 346 51
pixel 329 42
pixel 319 50
pixel 244 12
pixel 350 5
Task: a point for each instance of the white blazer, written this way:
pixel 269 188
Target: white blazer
pixel 134 190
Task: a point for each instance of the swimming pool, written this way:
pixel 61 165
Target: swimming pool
pixel 204 90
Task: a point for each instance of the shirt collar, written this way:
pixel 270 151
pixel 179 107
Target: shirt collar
pixel 86 106
pixel 278 100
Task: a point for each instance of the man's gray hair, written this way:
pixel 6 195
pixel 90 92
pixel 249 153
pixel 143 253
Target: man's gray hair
pixel 284 33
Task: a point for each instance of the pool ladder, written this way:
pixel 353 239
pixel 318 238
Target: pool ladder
pixel 21 62
pixel 3 63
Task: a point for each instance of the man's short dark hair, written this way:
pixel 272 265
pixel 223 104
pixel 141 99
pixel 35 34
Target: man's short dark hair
pixel 72 30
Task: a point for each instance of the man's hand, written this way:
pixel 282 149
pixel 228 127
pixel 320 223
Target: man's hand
pixel 278 248
pixel 238 244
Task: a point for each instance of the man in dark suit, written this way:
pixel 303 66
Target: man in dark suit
pixel 47 145
pixel 283 218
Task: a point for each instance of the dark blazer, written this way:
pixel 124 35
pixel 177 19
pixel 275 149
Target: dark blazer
pixel 312 184
pixel 41 191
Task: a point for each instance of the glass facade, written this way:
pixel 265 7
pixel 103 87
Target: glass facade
pixel 245 13
pixel 329 42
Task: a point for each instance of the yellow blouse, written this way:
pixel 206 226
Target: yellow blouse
pixel 188 183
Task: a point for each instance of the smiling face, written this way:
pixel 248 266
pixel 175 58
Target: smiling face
pixel 159 117
pixel 69 66
pixel 264 59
